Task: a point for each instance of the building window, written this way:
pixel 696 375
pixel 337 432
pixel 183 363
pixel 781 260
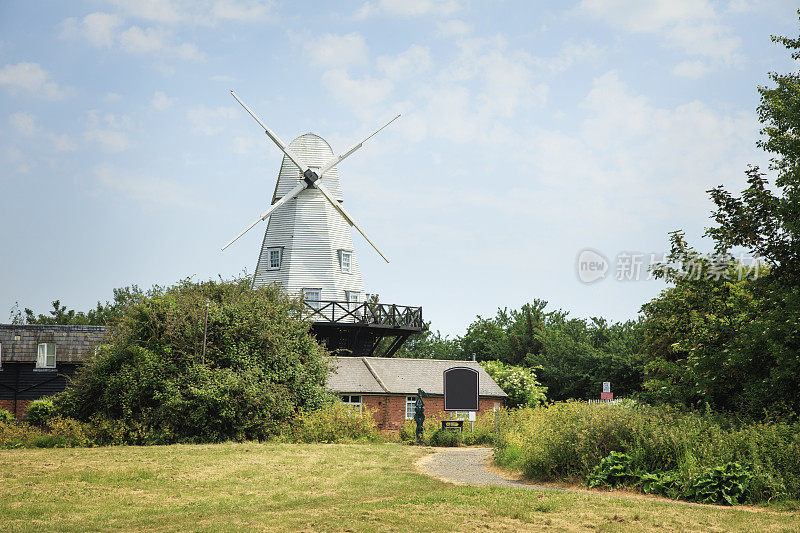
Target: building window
pixel 274 258
pixel 353 402
pixel 46 356
pixel 411 402
pixel 353 297
pixel 312 297
pixel 345 260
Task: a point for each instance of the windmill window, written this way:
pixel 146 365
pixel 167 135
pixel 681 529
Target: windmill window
pixel 345 260
pixel 312 297
pixel 352 296
pixel 46 355
pixel 274 257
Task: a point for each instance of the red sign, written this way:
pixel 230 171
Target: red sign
pixel 606 395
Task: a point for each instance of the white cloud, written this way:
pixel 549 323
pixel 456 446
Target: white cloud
pixel 690 69
pixel 23 123
pixel 407 8
pixel 22 163
pixel 202 12
pixel 210 120
pixel 161 101
pixel 189 52
pixel 104 30
pixel 453 28
pixel 248 11
pixel 112 97
pixel 107 132
pixel 99 29
pixel 332 51
pixel 360 94
pixel 689 25
pixel 408 64
pixel 62 142
pixel 146 190
pixel 30 78
pixel 244 145
pixel 138 40
pixel 224 78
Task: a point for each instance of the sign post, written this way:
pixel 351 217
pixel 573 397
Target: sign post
pixel 606 394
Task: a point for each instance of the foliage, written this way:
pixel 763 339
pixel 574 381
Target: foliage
pixel 569 440
pixel 445 438
pixel 260 369
pixel 614 470
pixel 430 345
pixel 571 357
pixel 663 483
pixel 101 315
pixel 6 417
pixel 336 422
pixel 730 341
pixel 40 412
pixel 58 432
pixel 720 484
pixel 518 382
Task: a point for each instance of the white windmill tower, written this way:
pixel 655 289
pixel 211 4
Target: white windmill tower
pixel 308 249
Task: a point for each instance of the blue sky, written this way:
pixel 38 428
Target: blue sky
pixel 530 131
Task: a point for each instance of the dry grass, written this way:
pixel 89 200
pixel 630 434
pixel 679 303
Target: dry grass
pixel 286 487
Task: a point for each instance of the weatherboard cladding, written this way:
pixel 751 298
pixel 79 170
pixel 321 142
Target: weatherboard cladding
pixel 401 376
pixel 309 231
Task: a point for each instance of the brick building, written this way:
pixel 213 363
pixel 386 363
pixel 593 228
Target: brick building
pixel 388 387
pixel 37 360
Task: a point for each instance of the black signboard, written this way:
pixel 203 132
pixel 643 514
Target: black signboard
pixel 453 425
pixel 460 389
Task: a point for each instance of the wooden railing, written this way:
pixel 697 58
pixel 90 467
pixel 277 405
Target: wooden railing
pixel 368 313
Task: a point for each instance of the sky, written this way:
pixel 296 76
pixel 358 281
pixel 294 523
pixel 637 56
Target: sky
pixel 530 133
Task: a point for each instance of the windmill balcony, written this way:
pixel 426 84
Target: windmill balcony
pixel 364 313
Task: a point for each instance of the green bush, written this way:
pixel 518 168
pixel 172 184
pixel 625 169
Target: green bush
pixel 40 411
pixel 670 450
pixel 446 438
pixel 6 417
pixel 150 382
pixel 667 484
pixel 336 422
pixel 614 470
pixel 720 484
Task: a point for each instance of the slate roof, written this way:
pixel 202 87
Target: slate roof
pixel 387 375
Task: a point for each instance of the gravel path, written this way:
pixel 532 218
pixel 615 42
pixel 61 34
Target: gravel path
pixel 468 466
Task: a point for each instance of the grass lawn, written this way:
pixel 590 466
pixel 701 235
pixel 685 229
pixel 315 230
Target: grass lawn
pixel 290 487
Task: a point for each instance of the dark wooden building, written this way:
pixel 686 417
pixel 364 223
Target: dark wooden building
pixel 36 361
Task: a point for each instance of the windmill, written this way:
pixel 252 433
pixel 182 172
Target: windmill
pixel 308 250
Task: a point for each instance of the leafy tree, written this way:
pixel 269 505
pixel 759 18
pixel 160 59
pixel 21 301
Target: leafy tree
pixel 518 382
pixel 430 345
pixel 729 342
pixel 101 315
pixel 262 367
pixel 571 356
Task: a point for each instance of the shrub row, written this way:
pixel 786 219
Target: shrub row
pixel 567 441
pixel 43 428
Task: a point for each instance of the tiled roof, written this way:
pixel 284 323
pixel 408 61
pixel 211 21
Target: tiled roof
pixel 387 375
